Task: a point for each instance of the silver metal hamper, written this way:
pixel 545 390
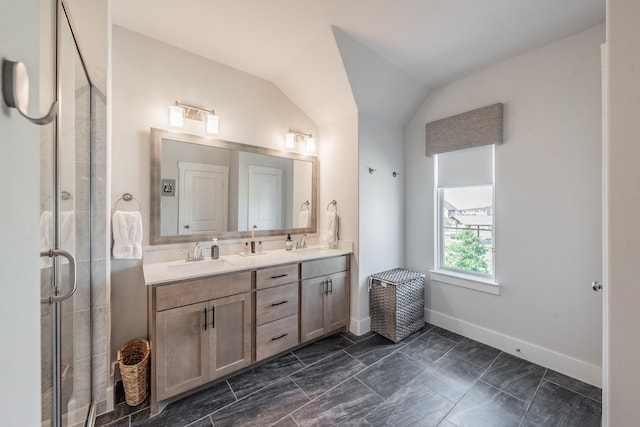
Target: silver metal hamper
pixel 396 303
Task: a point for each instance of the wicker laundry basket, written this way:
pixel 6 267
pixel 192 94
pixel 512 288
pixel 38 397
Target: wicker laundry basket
pixel 133 359
pixel 396 303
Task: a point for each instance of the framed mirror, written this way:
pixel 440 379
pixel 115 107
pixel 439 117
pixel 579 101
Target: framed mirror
pixel 203 188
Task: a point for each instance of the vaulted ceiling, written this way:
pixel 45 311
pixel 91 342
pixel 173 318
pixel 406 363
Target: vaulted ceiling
pixel 380 57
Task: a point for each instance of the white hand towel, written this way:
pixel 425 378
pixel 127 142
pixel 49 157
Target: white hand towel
pixel 127 235
pixel 304 219
pixel 45 230
pixel 68 232
pixel 330 229
pixel 46 236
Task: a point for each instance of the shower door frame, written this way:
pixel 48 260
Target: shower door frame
pixel 55 301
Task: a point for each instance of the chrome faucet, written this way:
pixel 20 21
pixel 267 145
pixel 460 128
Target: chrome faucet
pixel 197 254
pixel 302 243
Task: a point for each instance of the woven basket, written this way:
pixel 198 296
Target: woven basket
pixel 396 303
pixel 133 359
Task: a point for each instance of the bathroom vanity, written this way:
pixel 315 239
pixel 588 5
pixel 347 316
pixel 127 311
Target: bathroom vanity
pixel 214 318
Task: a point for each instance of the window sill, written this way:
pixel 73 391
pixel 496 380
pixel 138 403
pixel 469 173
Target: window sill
pixel 465 281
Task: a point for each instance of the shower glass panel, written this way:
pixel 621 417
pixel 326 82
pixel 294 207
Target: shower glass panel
pixel 66 224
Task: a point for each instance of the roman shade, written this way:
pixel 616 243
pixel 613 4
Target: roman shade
pixel 474 128
pixel 466 168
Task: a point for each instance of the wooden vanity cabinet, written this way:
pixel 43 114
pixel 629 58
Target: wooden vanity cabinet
pixel 324 296
pixel 277 306
pixel 201 330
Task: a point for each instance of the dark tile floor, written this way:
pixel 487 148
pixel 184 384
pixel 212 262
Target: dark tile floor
pixel 432 378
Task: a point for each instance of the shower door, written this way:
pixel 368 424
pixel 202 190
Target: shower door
pixel 65 223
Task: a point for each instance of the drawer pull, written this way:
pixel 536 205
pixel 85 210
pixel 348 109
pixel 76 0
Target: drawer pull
pixel 279 303
pixel 205 319
pixel 331 286
pixel 213 317
pixel 279 337
pixel 279 276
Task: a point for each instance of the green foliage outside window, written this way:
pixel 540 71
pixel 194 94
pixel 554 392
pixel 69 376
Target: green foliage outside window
pixel 467 253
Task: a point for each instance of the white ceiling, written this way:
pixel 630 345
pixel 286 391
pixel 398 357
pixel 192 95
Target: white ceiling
pixel 432 41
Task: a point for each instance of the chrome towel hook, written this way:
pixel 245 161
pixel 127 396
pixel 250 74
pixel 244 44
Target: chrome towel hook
pixel 15 90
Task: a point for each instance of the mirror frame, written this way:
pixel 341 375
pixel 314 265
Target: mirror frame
pixel 157 135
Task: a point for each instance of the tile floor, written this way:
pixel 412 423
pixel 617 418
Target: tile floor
pixel 432 378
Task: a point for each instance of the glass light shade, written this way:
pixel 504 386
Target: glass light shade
pixel 212 123
pixel 311 144
pixel 289 140
pixel 176 116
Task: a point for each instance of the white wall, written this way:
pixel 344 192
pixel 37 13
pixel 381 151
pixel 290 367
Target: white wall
pixel 19 261
pixel 548 206
pixel 148 76
pixel 338 180
pixel 622 183
pixel 381 202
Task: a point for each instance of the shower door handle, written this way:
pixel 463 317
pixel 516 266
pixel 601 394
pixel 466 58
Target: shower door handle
pixel 72 274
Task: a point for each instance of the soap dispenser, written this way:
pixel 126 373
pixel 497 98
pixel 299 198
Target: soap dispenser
pixel 215 249
pixel 288 244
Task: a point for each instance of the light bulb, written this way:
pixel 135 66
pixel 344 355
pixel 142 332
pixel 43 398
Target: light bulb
pixel 176 116
pixel 212 123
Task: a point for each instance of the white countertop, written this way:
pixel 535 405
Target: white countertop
pixel 171 271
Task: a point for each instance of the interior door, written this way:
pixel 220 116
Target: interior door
pixel 203 198
pixel 265 198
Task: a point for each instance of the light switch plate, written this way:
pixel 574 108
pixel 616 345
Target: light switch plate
pixel 168 187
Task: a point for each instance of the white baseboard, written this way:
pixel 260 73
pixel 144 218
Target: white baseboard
pixel 559 362
pixel 360 326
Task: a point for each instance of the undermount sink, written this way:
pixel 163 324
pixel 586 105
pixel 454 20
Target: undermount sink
pixel 204 265
pixel 312 251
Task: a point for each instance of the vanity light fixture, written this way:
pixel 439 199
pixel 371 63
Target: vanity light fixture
pixel 178 112
pixel 293 137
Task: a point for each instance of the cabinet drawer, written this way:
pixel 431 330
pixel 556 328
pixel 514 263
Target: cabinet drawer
pixel 199 290
pixel 276 303
pixel 325 266
pixel 276 337
pixel 275 276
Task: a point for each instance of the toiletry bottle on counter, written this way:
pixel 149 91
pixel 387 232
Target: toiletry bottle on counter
pixel 246 248
pixel 288 244
pixel 215 250
pixel 260 250
pixel 253 243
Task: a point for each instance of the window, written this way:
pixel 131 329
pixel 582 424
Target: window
pixel 465 208
pixel 466 230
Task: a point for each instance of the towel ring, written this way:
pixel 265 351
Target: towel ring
pixel 64 196
pixel 334 204
pixel 127 197
pixel 304 204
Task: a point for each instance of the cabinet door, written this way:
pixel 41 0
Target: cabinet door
pixel 229 334
pixel 312 314
pixel 181 350
pixel 337 301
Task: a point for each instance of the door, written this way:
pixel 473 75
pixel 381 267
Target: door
pixel 65 225
pixel 312 312
pixel 181 349
pixel 265 198
pixel 230 334
pixel 605 238
pixel 336 301
pixel 202 198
